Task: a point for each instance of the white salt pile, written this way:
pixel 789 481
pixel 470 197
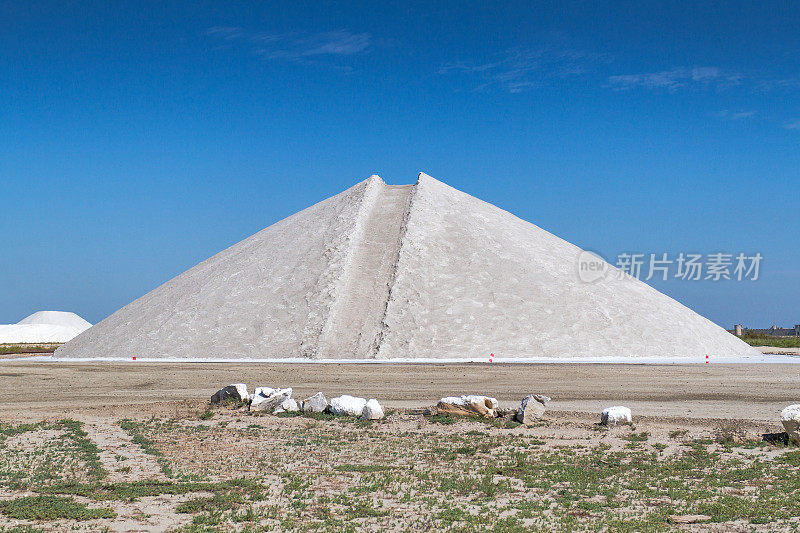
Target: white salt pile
pixel 44 327
pixel 404 272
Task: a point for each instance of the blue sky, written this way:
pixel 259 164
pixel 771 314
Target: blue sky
pixel 139 138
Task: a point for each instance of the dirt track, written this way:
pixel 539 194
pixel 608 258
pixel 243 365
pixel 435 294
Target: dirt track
pixel 35 389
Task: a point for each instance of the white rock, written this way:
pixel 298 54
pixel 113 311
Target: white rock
pixel 491 403
pixel 615 415
pixel 531 408
pixel 487 400
pixel 315 404
pixel 469 405
pixel 271 401
pixel 263 391
pixel 288 406
pixel 237 391
pixel 348 405
pixel 790 418
pixel 541 398
pixel 372 410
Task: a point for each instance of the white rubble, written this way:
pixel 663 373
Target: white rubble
pixel 289 405
pixel 372 410
pixel 467 399
pixel 615 415
pixel 790 418
pixel 237 391
pixel 531 408
pixel 269 399
pixel 315 404
pixel 263 391
pixel 347 405
pixel 419 271
pixel 469 405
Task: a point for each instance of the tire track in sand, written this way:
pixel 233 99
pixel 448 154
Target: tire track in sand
pixel 123 459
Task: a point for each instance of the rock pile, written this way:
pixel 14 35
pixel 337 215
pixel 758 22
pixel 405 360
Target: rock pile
pixel 276 401
pixel 531 408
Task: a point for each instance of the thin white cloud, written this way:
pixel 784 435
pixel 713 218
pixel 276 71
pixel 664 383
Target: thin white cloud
pixel 521 69
pixel 676 78
pixel 227 33
pixel 735 115
pixel 792 82
pixel 298 48
pixel 793 125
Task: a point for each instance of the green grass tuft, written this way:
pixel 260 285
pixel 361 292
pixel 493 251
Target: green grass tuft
pixel 777 342
pixel 51 508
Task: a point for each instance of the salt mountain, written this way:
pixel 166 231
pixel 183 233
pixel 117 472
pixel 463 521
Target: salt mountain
pixel 417 271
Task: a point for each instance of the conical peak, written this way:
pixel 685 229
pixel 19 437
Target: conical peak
pixel 422 177
pixel 436 187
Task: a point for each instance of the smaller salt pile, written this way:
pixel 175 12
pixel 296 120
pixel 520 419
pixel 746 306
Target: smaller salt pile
pixel 44 327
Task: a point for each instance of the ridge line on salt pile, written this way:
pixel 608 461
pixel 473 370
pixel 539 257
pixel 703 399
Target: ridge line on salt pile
pixel 401 242
pixel 354 325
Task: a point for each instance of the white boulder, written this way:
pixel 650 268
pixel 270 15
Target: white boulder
pixel 531 408
pixel 615 415
pixel 237 391
pixel 372 410
pixel 790 418
pixel 289 405
pixel 491 403
pixel 269 399
pixel 315 404
pixel 469 405
pixel 347 405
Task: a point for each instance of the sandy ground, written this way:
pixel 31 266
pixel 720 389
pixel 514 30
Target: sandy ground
pixel 407 449
pixel 167 400
pixel 37 389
